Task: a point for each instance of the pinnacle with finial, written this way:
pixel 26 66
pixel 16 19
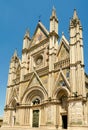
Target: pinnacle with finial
pixel 15 53
pixel 54 14
pixel 75 16
pixel 27 34
pixel 54 8
pixel 54 11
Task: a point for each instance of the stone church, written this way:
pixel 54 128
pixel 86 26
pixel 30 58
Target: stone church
pixel 48 87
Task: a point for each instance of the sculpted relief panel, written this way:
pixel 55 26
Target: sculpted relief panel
pixel 76 111
pixel 39 36
pixel 63 53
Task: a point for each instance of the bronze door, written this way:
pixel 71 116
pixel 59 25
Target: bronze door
pixel 35 122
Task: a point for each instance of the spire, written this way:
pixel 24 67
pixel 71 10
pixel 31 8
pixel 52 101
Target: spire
pixel 26 40
pixel 15 53
pixel 75 16
pixel 27 34
pixel 15 56
pixel 54 21
pixel 54 14
pixel 75 20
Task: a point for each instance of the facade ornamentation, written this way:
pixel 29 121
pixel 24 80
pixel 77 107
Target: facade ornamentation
pixel 48 87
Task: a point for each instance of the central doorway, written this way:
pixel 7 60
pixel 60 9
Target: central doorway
pixel 64 121
pixel 35 122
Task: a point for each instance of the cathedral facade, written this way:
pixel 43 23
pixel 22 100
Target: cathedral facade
pixel 48 87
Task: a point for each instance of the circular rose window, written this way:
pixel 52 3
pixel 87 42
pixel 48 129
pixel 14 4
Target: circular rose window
pixel 39 60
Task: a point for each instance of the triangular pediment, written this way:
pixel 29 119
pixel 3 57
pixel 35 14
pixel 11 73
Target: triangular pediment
pixel 34 81
pixel 63 50
pixel 40 34
pixel 62 81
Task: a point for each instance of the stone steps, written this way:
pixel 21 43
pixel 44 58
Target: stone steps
pixel 21 128
pixel 25 129
pixel 9 128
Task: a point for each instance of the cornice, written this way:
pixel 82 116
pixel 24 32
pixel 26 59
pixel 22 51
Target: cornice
pixel 81 45
pixel 43 103
pixel 12 72
pixel 76 63
pixel 15 83
pixel 53 33
pixel 53 17
pixel 77 33
pixel 72 44
pixel 78 98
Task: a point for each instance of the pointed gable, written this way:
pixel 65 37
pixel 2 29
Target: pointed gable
pixel 62 81
pixel 40 34
pixel 63 50
pixel 34 81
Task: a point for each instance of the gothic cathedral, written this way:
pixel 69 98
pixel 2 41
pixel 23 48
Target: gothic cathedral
pixel 48 87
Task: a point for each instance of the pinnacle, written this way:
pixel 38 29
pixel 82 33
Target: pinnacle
pixel 27 34
pixel 54 16
pixel 54 8
pixel 75 20
pixel 54 12
pixel 15 53
pixel 75 16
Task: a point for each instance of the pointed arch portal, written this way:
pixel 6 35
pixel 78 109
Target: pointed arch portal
pixel 62 95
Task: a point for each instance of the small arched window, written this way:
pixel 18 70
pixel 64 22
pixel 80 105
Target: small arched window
pixel 36 101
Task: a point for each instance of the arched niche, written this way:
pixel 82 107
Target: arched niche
pixel 36 96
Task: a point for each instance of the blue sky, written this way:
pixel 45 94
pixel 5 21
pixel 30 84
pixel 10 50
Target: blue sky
pixel 18 15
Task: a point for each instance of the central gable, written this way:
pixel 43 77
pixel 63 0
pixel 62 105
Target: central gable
pixel 40 34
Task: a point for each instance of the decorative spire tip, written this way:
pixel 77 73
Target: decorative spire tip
pixel 27 34
pixel 75 16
